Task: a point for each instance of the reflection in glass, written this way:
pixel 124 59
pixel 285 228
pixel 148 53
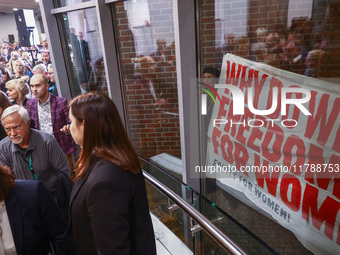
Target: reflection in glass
pixel 178 222
pixel 83 52
pixel 147 52
pixel 174 221
pixel 62 3
pixel 301 38
pixel 280 34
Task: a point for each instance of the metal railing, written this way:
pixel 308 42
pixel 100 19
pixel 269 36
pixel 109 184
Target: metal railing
pixel 196 216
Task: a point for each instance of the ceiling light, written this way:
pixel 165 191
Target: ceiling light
pixel 15 9
pixel 37 1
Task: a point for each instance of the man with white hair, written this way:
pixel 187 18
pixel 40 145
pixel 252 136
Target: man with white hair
pixel 49 74
pixel 31 154
pixel 40 69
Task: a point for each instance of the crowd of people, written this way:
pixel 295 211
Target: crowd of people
pixel 296 50
pixel 79 153
pixel 18 62
pixel 45 142
pixel 149 69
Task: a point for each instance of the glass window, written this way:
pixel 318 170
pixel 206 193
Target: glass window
pixel 62 3
pixel 83 52
pixel 257 48
pixel 145 32
pixel 276 34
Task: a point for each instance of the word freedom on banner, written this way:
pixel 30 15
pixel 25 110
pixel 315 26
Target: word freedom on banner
pixel 307 147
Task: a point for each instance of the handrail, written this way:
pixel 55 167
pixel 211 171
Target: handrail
pixel 199 218
pixel 229 217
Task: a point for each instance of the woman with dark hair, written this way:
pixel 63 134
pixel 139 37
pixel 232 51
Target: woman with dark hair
pixel 29 218
pixel 108 207
pixel 4 103
pixel 6 76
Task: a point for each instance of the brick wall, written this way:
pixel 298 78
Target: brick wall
pixel 153 129
pixel 243 18
pixel 270 14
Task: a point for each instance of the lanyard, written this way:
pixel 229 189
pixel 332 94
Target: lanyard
pixel 29 163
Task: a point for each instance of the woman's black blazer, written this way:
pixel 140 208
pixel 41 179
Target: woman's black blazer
pixel 110 213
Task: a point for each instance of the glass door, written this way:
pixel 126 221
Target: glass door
pixel 146 42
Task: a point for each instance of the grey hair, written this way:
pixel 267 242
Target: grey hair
pixel 159 39
pixel 261 30
pixel 40 67
pixel 16 109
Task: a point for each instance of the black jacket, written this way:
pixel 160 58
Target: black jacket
pixel 35 219
pixel 109 212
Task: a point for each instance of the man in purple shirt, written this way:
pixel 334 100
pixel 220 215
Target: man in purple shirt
pixel 50 114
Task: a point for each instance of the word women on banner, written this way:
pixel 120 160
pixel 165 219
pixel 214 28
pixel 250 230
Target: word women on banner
pixel 308 140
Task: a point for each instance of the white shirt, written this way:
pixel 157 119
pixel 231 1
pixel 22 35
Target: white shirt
pixel 44 116
pixel 7 245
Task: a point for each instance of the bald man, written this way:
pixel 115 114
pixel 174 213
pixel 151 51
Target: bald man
pixel 50 114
